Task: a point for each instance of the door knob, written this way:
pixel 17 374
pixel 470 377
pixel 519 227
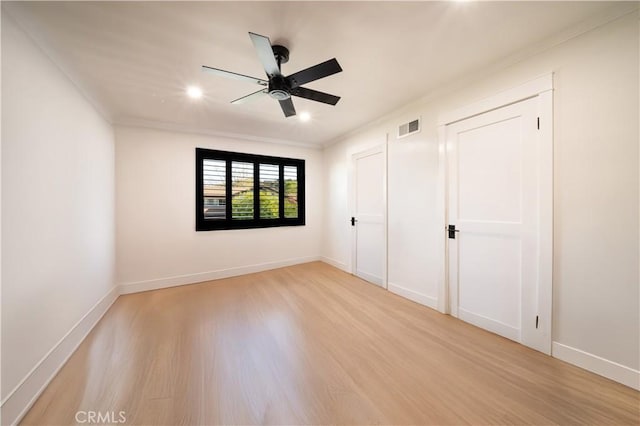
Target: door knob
pixel 452 231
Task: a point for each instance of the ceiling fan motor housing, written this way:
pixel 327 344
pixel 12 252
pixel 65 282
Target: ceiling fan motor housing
pixel 278 88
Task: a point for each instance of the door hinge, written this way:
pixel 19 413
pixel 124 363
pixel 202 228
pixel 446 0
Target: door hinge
pixel 536 321
pixel 538 123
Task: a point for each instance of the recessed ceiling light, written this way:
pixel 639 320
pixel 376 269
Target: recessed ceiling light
pixel 194 92
pixel 305 116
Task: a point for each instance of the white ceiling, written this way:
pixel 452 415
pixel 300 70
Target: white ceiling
pixel 135 59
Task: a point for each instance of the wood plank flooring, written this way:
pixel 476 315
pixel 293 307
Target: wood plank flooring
pixel 310 344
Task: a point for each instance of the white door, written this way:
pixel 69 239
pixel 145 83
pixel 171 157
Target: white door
pixel 494 167
pixel 368 215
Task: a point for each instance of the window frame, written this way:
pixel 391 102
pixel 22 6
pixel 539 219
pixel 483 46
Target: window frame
pixel 203 224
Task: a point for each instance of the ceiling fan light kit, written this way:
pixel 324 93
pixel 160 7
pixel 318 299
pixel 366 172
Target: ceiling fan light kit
pixel 278 86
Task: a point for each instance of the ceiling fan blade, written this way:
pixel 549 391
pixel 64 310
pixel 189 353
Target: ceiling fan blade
pixel 265 54
pixel 315 72
pixel 287 107
pixel 250 97
pixel 235 76
pixel 314 95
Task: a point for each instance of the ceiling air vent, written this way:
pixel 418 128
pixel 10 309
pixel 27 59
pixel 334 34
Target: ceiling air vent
pixel 409 128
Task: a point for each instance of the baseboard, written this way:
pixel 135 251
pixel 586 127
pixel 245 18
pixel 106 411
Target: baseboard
pixel 497 327
pixel 609 369
pixel 379 281
pixel 22 397
pixel 159 283
pixel 423 299
pixel 335 263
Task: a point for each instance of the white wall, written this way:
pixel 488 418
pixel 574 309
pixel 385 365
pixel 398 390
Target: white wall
pixel 596 284
pixel 58 227
pixel 157 244
pixel 412 163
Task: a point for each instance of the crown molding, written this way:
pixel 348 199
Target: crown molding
pixel 182 128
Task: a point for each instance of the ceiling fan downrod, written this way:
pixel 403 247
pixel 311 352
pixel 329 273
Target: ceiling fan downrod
pixel 278 88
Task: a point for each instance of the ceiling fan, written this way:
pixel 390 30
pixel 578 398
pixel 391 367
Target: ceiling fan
pixel 277 85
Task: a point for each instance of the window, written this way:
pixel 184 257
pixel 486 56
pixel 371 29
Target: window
pixel 238 191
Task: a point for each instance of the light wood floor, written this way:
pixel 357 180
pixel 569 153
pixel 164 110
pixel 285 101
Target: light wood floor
pixel 310 344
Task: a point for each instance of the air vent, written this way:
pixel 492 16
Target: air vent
pixel 409 128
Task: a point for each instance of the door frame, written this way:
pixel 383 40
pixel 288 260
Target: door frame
pixel 542 89
pixel 379 148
